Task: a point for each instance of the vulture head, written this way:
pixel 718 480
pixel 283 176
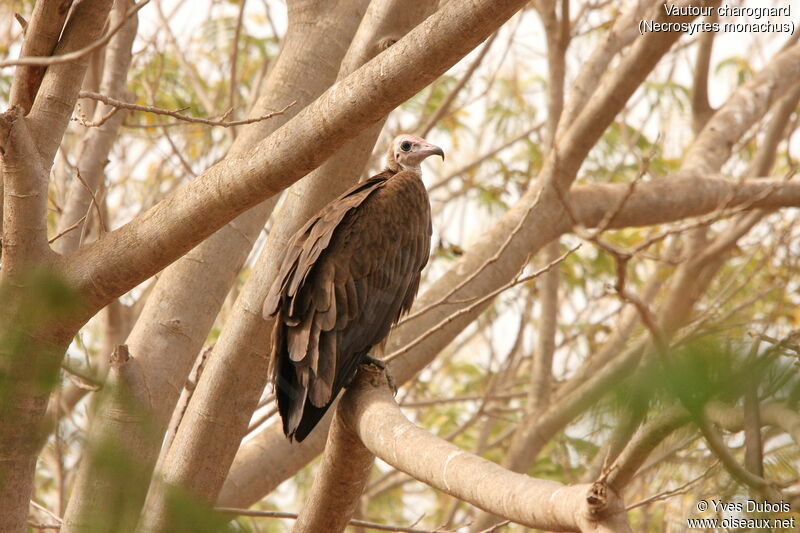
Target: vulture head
pixel 407 152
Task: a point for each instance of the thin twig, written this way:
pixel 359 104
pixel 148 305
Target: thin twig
pixel 683 489
pixel 175 114
pixel 478 302
pixel 232 97
pixel 77 54
pixel 72 227
pixel 95 124
pixel 47 511
pixel 94 200
pixel 81 380
pixel 293 516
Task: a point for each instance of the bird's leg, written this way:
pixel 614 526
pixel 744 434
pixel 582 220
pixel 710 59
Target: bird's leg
pixel 374 361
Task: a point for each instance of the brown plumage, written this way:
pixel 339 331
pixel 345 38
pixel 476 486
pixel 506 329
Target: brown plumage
pixel 347 276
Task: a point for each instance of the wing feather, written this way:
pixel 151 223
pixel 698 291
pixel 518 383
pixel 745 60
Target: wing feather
pixel 347 276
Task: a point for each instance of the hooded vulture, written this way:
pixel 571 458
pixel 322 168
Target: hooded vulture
pixel 346 278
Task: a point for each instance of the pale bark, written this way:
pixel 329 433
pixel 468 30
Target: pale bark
pixel 215 422
pixel 370 411
pixel 25 197
pixel 558 35
pixel 622 34
pixel 177 316
pixel 115 512
pixel 267 459
pixel 678 197
pixel 97 142
pixel 340 478
pixel 528 226
pixel 176 224
pixel 52 109
pixel 41 37
pixel 28 357
pixel 692 277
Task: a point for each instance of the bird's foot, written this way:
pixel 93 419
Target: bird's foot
pixel 374 361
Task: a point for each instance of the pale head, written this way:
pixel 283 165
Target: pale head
pixel 407 152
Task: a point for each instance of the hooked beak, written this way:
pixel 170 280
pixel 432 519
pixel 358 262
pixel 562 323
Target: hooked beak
pixel 430 149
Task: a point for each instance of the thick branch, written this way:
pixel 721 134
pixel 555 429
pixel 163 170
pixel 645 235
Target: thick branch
pixel 177 317
pixel 139 249
pixel 124 375
pixel 676 198
pixel 58 92
pixel 41 37
pixel 256 471
pixel 745 107
pixel 241 348
pixel 644 441
pixel 97 142
pixel 539 218
pixel 25 196
pixel 341 477
pixel 372 413
pixel 621 35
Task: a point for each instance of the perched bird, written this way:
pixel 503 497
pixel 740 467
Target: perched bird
pixel 346 277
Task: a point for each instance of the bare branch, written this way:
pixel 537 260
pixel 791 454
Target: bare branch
pixel 25 190
pixel 341 476
pixel 352 522
pixel 372 413
pixel 77 54
pixel 119 104
pixel 41 37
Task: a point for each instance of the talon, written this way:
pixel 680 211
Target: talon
pixel 370 360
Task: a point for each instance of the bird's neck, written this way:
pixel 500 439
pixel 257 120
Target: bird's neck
pixel 395 167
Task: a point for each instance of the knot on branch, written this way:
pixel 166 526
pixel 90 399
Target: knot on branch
pixel 120 355
pixel 597 498
pixel 7 121
pixel 386 43
pixel 372 375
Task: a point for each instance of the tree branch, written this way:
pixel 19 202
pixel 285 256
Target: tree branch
pixel 177 314
pixel 256 471
pixel 342 475
pixel 69 57
pixel 179 222
pixel 25 196
pixel 41 37
pixel 119 104
pixel 371 412
pixel 240 349
pixel 96 143
pixel 58 92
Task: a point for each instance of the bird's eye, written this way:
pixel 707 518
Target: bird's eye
pixel 405 146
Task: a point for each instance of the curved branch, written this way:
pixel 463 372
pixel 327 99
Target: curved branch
pixel 341 477
pixel 172 227
pixel 369 409
pixel 257 469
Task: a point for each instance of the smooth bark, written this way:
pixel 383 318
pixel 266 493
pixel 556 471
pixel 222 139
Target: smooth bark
pixel 340 478
pixel 267 459
pixel 177 317
pixel 214 423
pixel 370 410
